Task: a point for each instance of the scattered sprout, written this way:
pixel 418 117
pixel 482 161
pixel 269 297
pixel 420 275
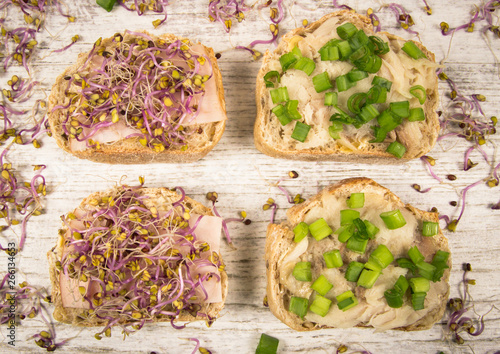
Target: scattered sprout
pixel 227 11
pixel 141 6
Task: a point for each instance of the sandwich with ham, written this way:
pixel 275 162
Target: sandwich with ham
pixel 135 255
pixel 139 98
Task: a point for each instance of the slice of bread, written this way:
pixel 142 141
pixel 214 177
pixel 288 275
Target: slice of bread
pixel 161 206
pixel 162 146
pixel 372 311
pixel 274 139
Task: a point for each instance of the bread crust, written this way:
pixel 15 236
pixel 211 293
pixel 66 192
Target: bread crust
pixel 279 238
pixel 72 315
pixel 130 151
pixel 376 152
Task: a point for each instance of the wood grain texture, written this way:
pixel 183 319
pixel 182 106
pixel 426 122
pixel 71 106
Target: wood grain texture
pixel 244 179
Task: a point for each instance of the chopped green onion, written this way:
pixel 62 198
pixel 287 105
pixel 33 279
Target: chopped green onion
pixel 376 94
pixel 371 229
pixel 343 83
pixel 279 95
pixel 106 4
pixel 401 109
pixel 300 231
pixel 367 278
pixel 417 300
pixel 357 244
pixel 406 263
pixel 300 131
pixel 346 300
pixel 321 285
pixel 358 40
pixel 382 255
pixel 413 50
pixel 371 63
pixel 302 271
pixel 267 345
pixel 347 216
pixel 356 75
pixel 372 264
pixel 296 51
pixel 380 81
pixel 380 47
pixel 341 116
pixel 368 113
pixel 334 130
pixel 287 61
pixel 298 305
pixel 430 228
pixel 415 255
pixel 306 65
pixel 322 82
pixel 331 98
pixel 270 75
pixel 419 92
pixel 291 109
pixel 320 305
pixel 345 232
pixel 356 102
pixel 401 284
pixel 396 149
pixel 353 271
pixel 440 262
pixel 333 259
pixel 388 121
pixel 344 49
pixel 426 270
pixel 379 132
pixel 347 30
pixel 393 219
pixel 280 112
pixel 361 228
pixel 360 54
pixel 416 114
pixel 320 229
pixel 356 200
pixel 419 285
pixel 329 53
pixel 394 299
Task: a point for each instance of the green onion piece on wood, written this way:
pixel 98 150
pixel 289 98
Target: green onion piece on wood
pixel 106 4
pixel 267 345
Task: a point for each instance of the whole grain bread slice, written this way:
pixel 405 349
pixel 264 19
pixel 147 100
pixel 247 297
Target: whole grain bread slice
pixel 269 133
pixel 203 137
pixel 75 316
pixel 280 239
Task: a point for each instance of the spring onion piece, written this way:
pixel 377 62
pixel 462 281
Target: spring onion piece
pixel 322 285
pixel 347 30
pixel 320 305
pixel 279 95
pixel 329 53
pixel 408 264
pixel 346 300
pixel 368 113
pixel 320 229
pixel 335 129
pixel 419 92
pixel 291 109
pixel 333 259
pixel 360 39
pixel 356 102
pixel 425 270
pixel 271 75
pixel 416 114
pixel 401 285
pixel 281 114
pixel 106 4
pixel 388 121
pixel 345 232
pixel 415 255
pixel 371 229
pixel 380 81
pixel 322 82
pixel 347 216
pixel 357 244
pixel 394 298
pixel 353 271
pixel 360 54
pixel 331 99
pixel 356 75
pixel 287 60
pixel 344 49
pixel 440 262
pixel 372 264
pixel 267 345
pixel 367 278
pixel 380 133
pixel 360 228
pixel 300 231
pixel 298 305
pixel 401 109
pixel 343 83
pixel 306 65
pixel 380 47
pixel 412 50
pixel 302 271
pixel 296 51
pixel 376 94
pixel 356 200
pixel 396 149
pixel 300 131
pixel 417 300
pixel 430 228
pixel 393 219
pixel 370 63
pixel 382 255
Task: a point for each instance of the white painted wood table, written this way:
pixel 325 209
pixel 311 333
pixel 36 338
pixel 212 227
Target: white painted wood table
pixel 244 179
